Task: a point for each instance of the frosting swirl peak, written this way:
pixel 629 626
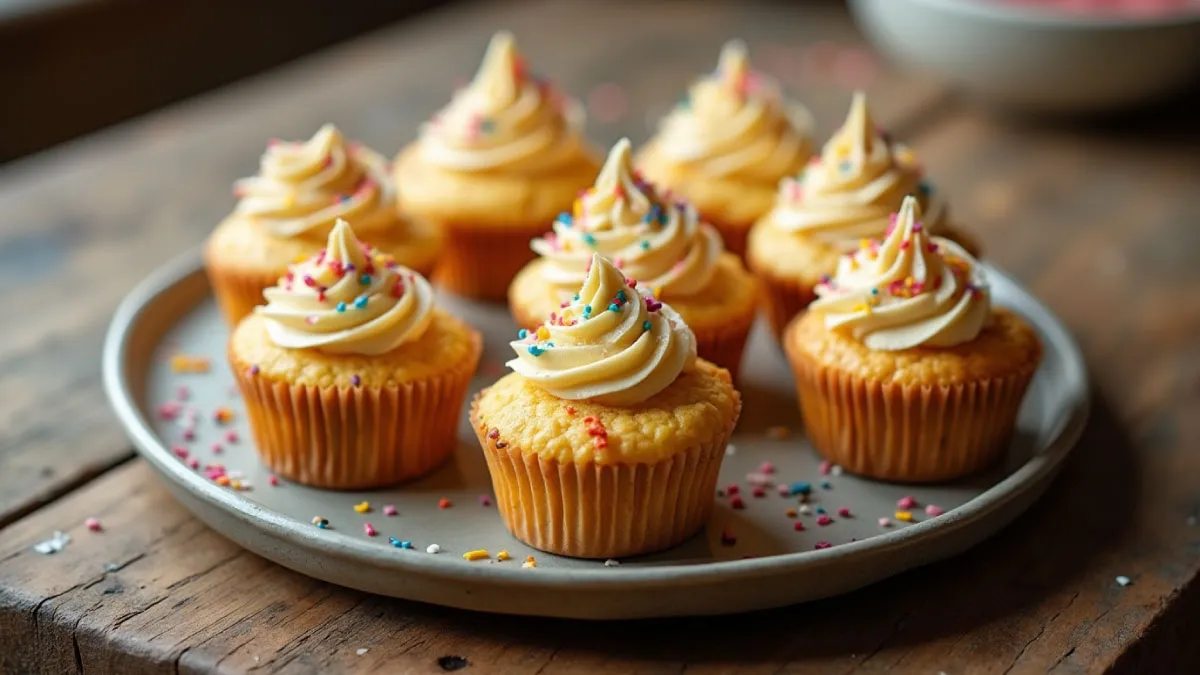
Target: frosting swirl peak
pixel 860 179
pixel 909 290
pixel 736 123
pixel 505 119
pixel 649 238
pixel 347 299
pixel 611 345
pixel 305 187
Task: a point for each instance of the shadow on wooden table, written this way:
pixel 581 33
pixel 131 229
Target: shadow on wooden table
pixel 1028 564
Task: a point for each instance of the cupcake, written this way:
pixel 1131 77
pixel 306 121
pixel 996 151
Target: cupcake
pixel 844 196
pixel 904 370
pixel 607 439
pixel 352 378
pixel 728 143
pixel 288 210
pixel 492 168
pixel 663 245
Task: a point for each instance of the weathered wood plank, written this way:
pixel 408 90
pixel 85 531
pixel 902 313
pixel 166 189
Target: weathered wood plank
pixel 83 223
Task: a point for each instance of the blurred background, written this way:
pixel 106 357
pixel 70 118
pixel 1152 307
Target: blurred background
pixel 70 67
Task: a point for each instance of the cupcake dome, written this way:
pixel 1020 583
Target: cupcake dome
pixel 607 438
pixel 904 370
pixel 659 242
pixel 352 377
pixel 288 209
pixel 492 168
pixel 842 197
pixel 727 144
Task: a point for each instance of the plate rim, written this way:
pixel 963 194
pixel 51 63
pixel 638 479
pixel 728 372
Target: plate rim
pixel 1066 433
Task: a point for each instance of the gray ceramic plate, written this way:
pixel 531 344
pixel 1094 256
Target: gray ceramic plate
pixel 770 563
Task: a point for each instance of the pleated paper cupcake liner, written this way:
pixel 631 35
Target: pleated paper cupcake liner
pixel 589 510
pixel 782 300
pixel 480 263
pixel 359 437
pixel 238 291
pixel 901 432
pixel 725 345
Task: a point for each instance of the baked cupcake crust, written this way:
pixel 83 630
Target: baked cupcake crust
pixel 489 199
pixel 447 344
pixel 698 409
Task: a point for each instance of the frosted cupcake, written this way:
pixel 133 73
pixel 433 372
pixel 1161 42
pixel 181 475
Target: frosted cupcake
pixel 844 196
pixel 661 244
pixel 352 378
pixel 492 168
pixel 607 439
pixel 728 143
pixel 904 370
pixel 287 210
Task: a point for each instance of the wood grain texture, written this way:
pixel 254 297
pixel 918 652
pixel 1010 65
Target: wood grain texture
pixel 1100 223
pixel 88 220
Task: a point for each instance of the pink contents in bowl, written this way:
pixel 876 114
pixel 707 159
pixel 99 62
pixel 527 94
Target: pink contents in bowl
pixel 1113 8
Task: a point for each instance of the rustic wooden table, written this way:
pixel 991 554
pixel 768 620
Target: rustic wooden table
pixel 1100 223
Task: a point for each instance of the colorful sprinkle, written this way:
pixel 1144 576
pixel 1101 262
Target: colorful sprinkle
pixel 399 543
pixel 737 503
pixel 934 510
pixel 477 554
pixel 390 510
pixel 485 500
pixel 798 526
pixel 826 485
pixel 824 520
pixel 273 480
pixel 801 488
pixel 612 563
pixel 223 415
pixel 790 513
pixel 728 538
pixel 362 507
pixel 194 365
pixel 885 522
pixel 231 436
pixel 844 512
pixel 646 325
pixel 820 510
pixel 522 334
pixel 341 307
pixel 92 524
pixel 805 510
pixel 355 380
pixel 535 350
pixel 824 467
pixel 1123 580
pixel 529 563
pixel 320 522
pixel 444 503
pixel 369 529
pixel 905 503
pixel 433 548
pixel 759 491
pixel 502 556
pixel 360 302
pixel 822 545
pixel 904 516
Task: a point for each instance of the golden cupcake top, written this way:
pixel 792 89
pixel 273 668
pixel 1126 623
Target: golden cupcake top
pixel 736 122
pixel 659 242
pixel 347 299
pixel 860 178
pixel 612 344
pixel 908 290
pixel 505 119
pixel 304 187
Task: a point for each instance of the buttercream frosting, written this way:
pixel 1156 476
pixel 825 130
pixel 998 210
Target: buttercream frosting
pixel 304 187
pixel 735 122
pixel 612 344
pixel 661 243
pixel 859 180
pixel 908 290
pixel 505 119
pixel 347 299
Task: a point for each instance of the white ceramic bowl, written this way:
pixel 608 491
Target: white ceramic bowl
pixel 1038 60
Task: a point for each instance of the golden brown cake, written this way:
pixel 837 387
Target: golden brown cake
pixel 493 168
pixel 607 439
pixel 660 244
pixel 286 212
pixel 844 196
pixel 728 143
pixel 904 370
pixel 352 378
